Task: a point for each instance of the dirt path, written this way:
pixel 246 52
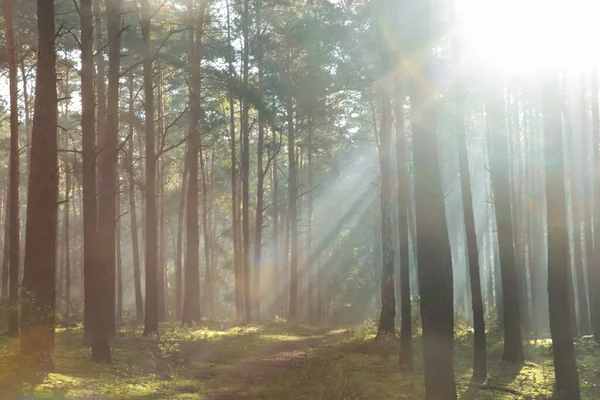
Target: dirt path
pixel 275 361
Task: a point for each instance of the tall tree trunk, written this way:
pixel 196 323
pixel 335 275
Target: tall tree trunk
pixel 499 172
pixel 160 179
pixel 434 267
pixel 206 236
pixel 388 299
pixel 292 191
pixel 309 234
pixel 245 167
pixel 593 270
pixel 38 319
pixel 406 351
pixel 260 174
pixel 151 315
pixel 100 84
pixel 275 215
pixel 135 249
pixel 237 268
pixel 565 366
pixel 119 260
pixel 13 192
pixel 88 133
pixel 191 301
pixel 480 355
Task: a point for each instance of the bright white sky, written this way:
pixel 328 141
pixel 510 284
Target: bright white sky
pixel 522 36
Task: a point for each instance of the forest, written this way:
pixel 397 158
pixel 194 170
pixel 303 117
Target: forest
pixel 299 199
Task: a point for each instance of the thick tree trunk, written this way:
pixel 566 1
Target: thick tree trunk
pixel 499 172
pixel 100 84
pixel 6 246
pixel 435 267
pixel 13 191
pixel 565 366
pixel 151 315
pixel 38 319
pixel 135 249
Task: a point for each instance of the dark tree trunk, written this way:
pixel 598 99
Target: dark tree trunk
pixel 292 191
pixel 88 133
pixel 151 315
pixel 565 366
pixel 119 261
pixel 100 84
pixel 499 172
pixel 480 355
pixel 435 267
pixel 135 249
pixel 13 191
pixel 38 319
pixel 388 299
pixel 105 274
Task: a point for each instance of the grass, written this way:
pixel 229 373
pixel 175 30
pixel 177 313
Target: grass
pixel 276 361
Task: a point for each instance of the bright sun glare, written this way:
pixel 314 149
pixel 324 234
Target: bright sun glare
pixel 524 36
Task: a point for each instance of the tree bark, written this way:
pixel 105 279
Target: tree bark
pixel 179 244
pixel 66 242
pixel 135 249
pixel 593 270
pixel 499 172
pixel 406 351
pixel 151 315
pixel 388 299
pixel 292 192
pixel 38 319
pixel 13 192
pixel 565 366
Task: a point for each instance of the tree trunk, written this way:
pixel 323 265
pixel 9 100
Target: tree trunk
pixel 191 301
pixel 593 270
pixel 480 355
pixel 179 245
pixel 135 249
pixel 119 260
pixel 388 299
pixel 292 191
pixel 38 319
pixel 435 267
pixel 245 167
pixel 160 179
pixel 406 351
pixel 88 133
pixel 237 270
pixel 6 245
pixel 499 172
pixel 66 242
pixel 206 235
pixel 100 84
pixel 565 366
pixel 151 315
pixel 13 192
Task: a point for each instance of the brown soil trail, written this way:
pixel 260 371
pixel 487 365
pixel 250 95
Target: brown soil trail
pixel 234 382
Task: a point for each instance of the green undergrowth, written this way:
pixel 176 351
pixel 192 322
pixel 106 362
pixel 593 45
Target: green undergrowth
pixel 347 363
pixel 177 364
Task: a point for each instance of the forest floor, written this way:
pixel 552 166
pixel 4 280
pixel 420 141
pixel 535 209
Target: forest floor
pixel 275 361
